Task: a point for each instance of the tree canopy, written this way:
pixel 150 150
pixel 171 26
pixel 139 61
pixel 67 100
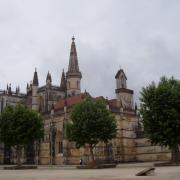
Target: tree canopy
pixel 160 111
pixel 90 122
pixel 20 126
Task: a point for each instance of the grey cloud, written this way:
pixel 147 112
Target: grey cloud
pixel 143 37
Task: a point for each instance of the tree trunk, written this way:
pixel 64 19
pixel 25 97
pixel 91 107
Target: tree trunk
pixel 19 148
pixel 175 154
pixel 106 152
pixel 91 155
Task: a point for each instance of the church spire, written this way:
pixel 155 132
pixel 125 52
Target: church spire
pixel 73 75
pixel 35 79
pixel 73 60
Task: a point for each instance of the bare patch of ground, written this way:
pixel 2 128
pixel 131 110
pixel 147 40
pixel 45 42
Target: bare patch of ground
pixel 122 172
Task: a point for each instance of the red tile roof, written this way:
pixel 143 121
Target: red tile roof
pixel 100 98
pixel 70 101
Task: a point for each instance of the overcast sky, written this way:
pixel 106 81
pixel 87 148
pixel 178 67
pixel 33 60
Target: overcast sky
pixel 141 36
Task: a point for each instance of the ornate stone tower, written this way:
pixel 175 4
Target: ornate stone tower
pixel 73 75
pixel 124 95
pixel 35 84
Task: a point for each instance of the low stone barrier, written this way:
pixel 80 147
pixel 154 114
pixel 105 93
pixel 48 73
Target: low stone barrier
pixel 19 167
pixel 146 172
pixel 98 166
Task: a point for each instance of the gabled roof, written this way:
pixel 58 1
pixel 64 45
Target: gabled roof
pixel 119 73
pixel 72 100
pixel 53 87
pixel 69 101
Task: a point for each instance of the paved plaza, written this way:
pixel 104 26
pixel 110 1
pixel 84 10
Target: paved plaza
pixel 122 172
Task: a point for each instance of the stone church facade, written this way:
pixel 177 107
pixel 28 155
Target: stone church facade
pixel 54 102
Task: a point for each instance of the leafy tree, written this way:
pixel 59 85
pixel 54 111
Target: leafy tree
pixel 160 110
pixel 20 126
pixel 90 122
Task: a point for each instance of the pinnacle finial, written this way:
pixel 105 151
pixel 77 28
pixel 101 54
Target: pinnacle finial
pixel 73 38
pixel 63 81
pixel 35 78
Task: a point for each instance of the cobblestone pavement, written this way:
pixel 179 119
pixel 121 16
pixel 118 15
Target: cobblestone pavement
pixel 122 172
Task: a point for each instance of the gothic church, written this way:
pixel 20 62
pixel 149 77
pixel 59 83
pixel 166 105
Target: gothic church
pixel 55 102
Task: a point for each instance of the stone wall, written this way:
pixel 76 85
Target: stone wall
pixel 126 147
pixel 44 157
pixel 146 152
